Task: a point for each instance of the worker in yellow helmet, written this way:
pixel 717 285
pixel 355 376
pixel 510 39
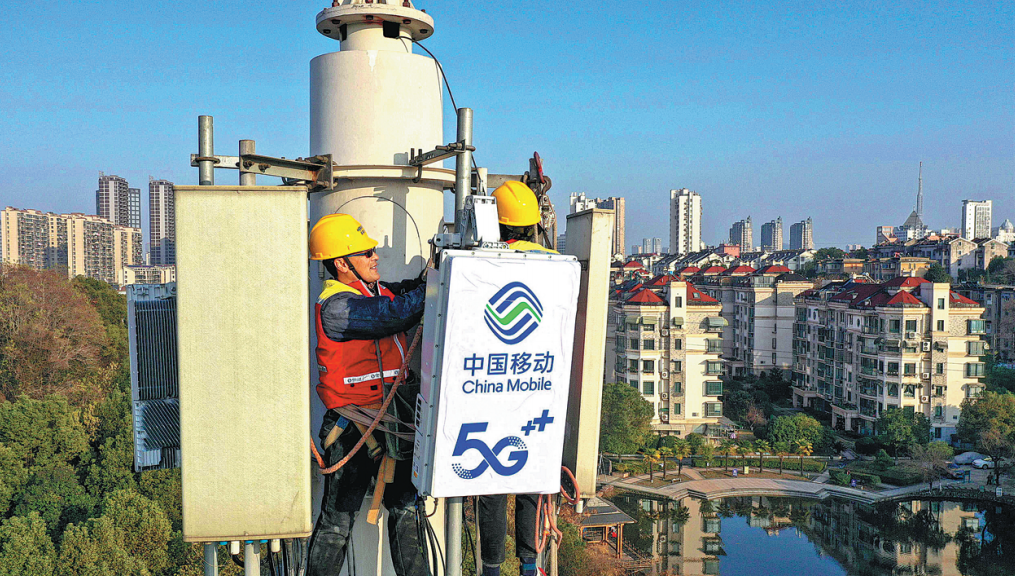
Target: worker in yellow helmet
pixel 361 324
pixel 518 213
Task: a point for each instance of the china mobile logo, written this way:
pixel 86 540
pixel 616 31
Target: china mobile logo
pixel 516 458
pixel 513 313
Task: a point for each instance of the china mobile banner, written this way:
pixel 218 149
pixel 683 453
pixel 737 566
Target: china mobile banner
pixel 505 365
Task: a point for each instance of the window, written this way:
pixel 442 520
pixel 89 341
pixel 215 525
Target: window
pixel 939 368
pixel 977 347
pixel 678 302
pixel 893 368
pixel 909 391
pixel 713 409
pixel 713 367
pixel 895 326
pixel 632 365
pixel 714 345
pixel 939 391
pixel 977 327
pixel 974 370
pixel 648 388
pixel 910 325
pixel 633 327
pixel 678 344
pixel 713 388
pixel 648 365
pixel 909 369
pixel 634 385
pixel 648 327
pixel 939 411
pixel 774 361
pixel 676 408
pixel 940 303
pixel 634 343
pixel 648 344
pixel 940 325
pixel 937 433
pixel 621 342
pixel 775 343
pixel 678 366
pixel 893 390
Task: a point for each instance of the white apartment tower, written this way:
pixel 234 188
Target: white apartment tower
pixel 685 221
pixel 742 234
pixel 976 219
pixel 771 235
pixel 117 202
pixel 801 235
pixel 162 222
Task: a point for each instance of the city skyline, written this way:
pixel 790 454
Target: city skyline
pixel 772 110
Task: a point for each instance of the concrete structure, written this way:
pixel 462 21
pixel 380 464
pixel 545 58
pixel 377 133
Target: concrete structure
pixel 117 202
pixel 834 266
pixel 976 219
pixel 912 229
pixel 685 221
pixel 862 348
pixel 771 235
pixel 801 235
pixel 884 235
pixel 161 222
pixel 651 246
pixel 666 337
pixel 1005 233
pixel 148 274
pixel 758 308
pixel 884 269
pixel 792 259
pixel 742 234
pixel 77 244
pixel 998 303
pixel 616 205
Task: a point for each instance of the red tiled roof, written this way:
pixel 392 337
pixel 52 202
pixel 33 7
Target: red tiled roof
pixel 661 280
pixel 636 287
pixel 902 297
pixel 713 270
pixel 739 270
pixel 632 264
pixel 695 296
pixel 645 296
pixel 960 299
pixel 856 293
pixel 904 282
pixel 774 269
pixel 688 270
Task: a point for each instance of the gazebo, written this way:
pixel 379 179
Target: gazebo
pixel 599 517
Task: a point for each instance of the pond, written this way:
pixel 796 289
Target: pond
pixel 762 536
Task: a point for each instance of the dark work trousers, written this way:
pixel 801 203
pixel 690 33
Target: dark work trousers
pixel 493 527
pixel 344 491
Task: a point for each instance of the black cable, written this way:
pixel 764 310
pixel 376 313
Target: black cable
pixel 419 236
pixel 468 532
pixel 272 568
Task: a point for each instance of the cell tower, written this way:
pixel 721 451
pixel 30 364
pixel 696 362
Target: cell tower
pixel 919 194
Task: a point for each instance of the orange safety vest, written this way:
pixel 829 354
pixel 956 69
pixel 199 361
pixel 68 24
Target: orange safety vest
pixel 348 370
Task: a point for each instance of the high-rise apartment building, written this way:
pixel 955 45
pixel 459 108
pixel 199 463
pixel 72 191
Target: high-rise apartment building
pixel 666 342
pixel 801 235
pixel 651 246
pixel 80 244
pixel 162 222
pixel 771 235
pixel 580 202
pixel 976 219
pixel 117 202
pixel 862 348
pixel 685 221
pixel 742 234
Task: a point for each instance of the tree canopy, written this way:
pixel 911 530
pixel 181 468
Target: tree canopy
pixel 626 417
pixel 795 429
pixel 989 423
pixel 898 429
pixel 937 273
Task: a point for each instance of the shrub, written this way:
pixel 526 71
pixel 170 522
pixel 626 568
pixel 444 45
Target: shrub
pixel 789 463
pixel 867 446
pixel 867 479
pixel 900 476
pixel 838 477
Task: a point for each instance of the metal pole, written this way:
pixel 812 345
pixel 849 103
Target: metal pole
pixel 247 178
pixel 251 559
pixel 463 165
pixel 453 529
pixel 211 560
pixel 206 149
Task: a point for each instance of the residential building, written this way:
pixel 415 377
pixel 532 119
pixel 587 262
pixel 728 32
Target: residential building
pixel 912 229
pixel 885 235
pixel 561 242
pixel 117 202
pixel 976 219
pixel 651 246
pixel 162 222
pixel 1005 233
pixel 741 234
pixel 666 343
pixel 862 348
pixel 801 235
pixel 617 205
pixel 792 259
pixel 685 221
pixel 978 258
pixel 78 244
pixel 998 303
pixel 758 308
pixel 771 235
pixel 148 274
pixel 887 268
pixel 850 266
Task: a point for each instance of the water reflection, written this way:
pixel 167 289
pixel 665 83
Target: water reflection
pixel 795 537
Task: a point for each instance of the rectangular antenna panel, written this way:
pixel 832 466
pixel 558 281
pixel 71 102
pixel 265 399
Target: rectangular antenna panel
pixel 497 343
pixel 244 361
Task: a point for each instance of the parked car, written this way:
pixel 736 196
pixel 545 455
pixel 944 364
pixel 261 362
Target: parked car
pixel 981 463
pixel 954 474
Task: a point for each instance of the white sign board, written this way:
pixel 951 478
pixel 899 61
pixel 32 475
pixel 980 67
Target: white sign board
pixel 499 399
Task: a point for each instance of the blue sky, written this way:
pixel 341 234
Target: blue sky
pixel 789 109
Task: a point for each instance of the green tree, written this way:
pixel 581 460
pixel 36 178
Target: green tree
pixel 829 253
pixel 861 253
pixel 43 432
pixel 782 449
pixel 898 429
pixel 706 452
pixel 726 447
pixel 112 309
pixel 13 477
pixel 113 468
pixel 696 441
pixel 25 548
pixel 937 273
pixel 882 461
pixel 664 453
pixel 795 428
pixel 989 423
pixel 803 448
pixel 142 528
pixel 626 418
pixel 735 405
pixel 651 458
pixel 762 447
pixel 54 492
pixel 681 449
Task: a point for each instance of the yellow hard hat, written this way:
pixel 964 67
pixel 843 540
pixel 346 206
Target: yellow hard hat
pixel 337 235
pixel 516 204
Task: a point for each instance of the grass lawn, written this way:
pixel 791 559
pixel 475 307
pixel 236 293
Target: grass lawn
pixel 712 474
